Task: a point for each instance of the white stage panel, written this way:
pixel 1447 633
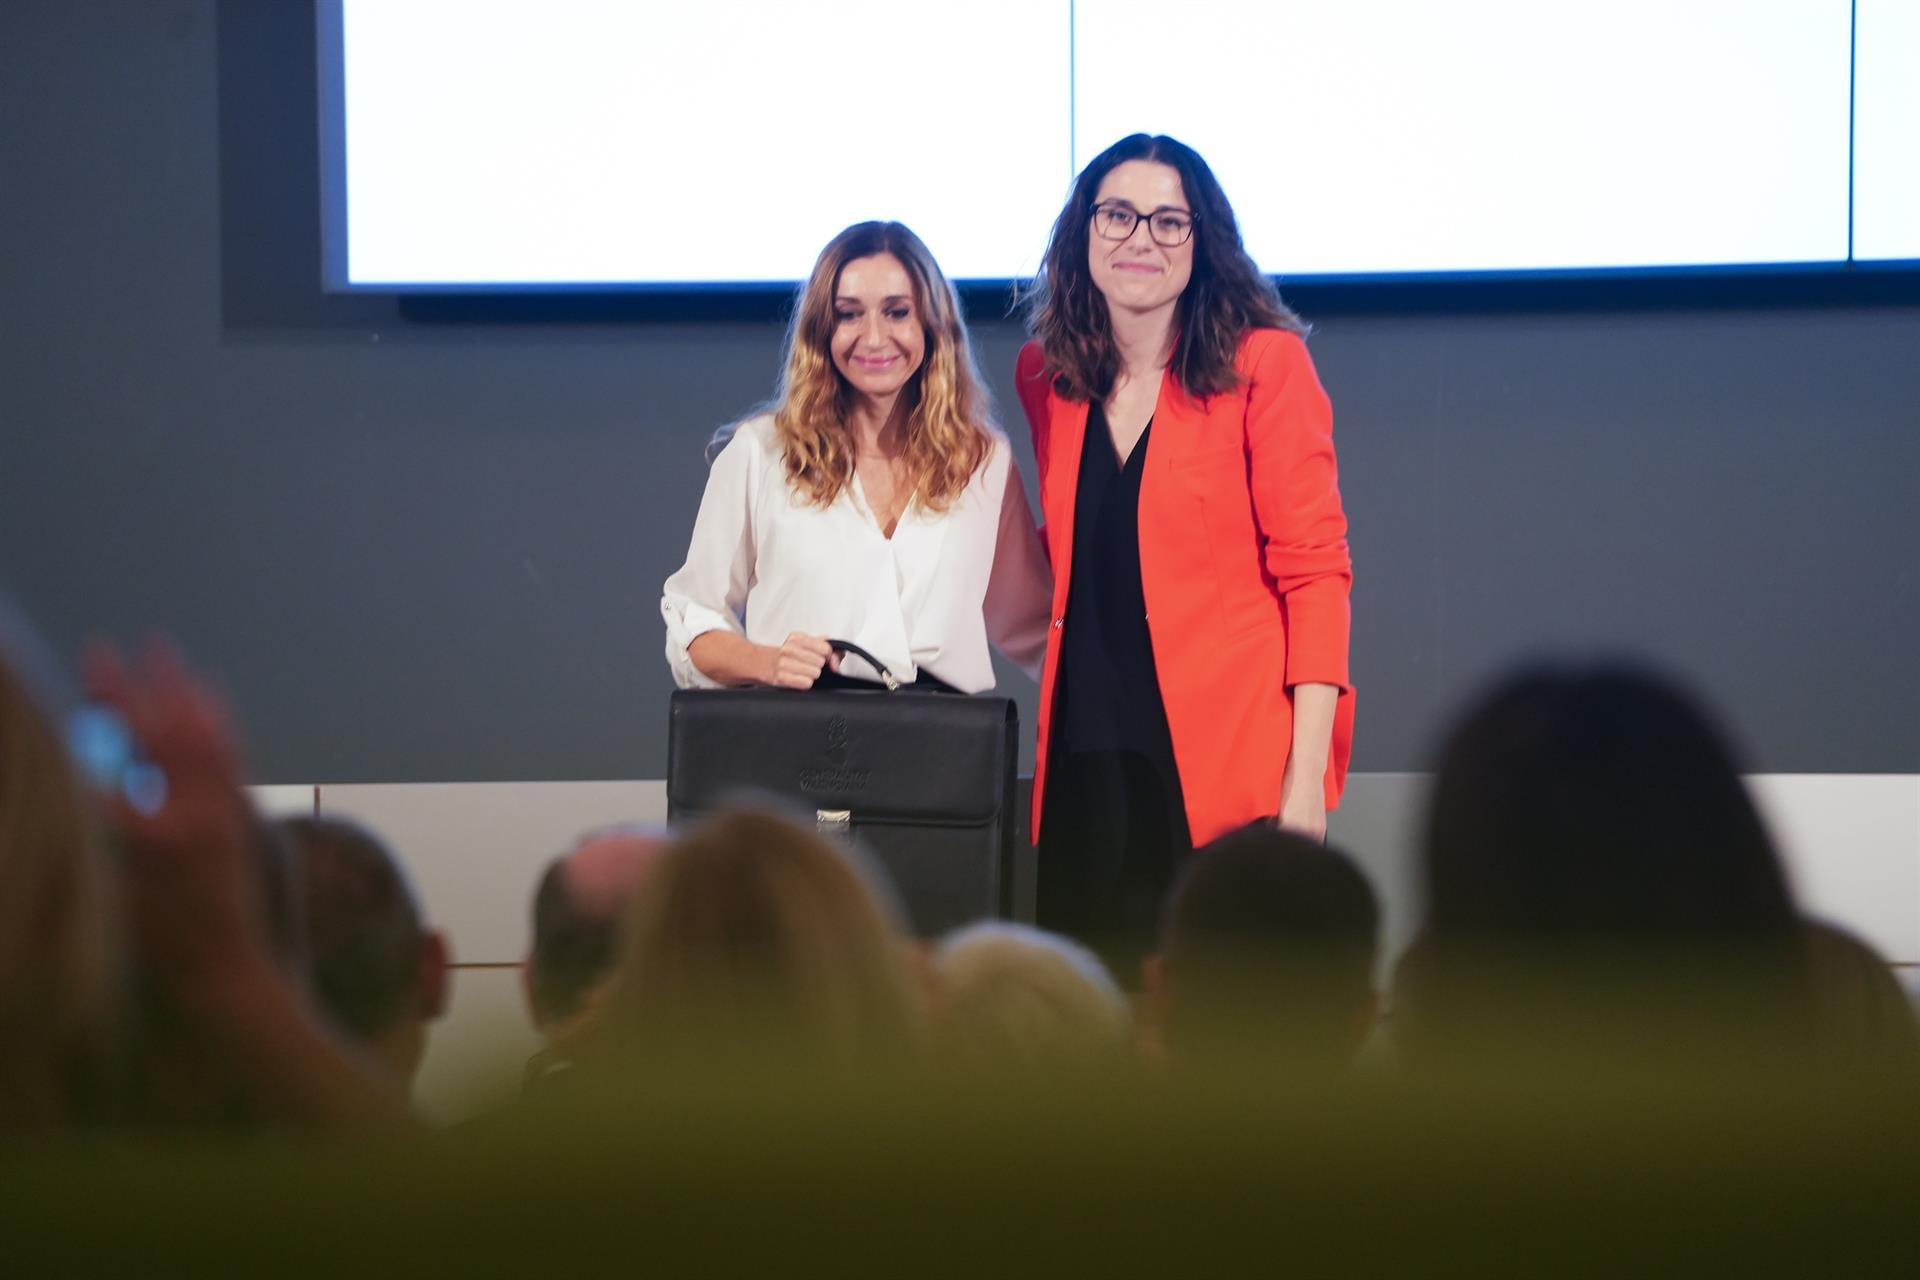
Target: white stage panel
pixel 1852 845
pixel 284 800
pixel 476 850
pixel 476 1054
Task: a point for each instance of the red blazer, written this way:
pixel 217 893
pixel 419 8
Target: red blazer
pixel 1243 561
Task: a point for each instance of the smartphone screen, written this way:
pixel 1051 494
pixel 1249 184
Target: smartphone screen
pixel 103 747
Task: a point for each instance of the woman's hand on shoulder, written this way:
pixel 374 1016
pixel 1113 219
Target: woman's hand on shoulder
pixel 798 662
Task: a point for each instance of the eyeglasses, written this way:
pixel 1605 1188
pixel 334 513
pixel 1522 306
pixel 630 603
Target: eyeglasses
pixel 1169 228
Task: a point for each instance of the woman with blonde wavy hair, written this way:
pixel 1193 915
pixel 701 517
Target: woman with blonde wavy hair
pixel 872 501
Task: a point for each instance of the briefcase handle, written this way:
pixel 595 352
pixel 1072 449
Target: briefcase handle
pixel 887 677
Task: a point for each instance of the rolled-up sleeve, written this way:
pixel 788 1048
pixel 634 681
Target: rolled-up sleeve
pixel 709 591
pixel 1296 498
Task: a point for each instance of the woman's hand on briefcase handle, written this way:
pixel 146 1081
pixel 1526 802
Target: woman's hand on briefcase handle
pixel 797 664
pixel 732 660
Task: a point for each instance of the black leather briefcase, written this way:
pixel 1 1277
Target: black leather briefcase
pixel 923 782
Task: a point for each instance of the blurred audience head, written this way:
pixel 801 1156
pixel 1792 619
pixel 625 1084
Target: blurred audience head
pixel 754 935
pixel 58 981
pixel 1597 876
pixel 579 914
pixel 1864 1022
pixel 1267 948
pixel 377 973
pixel 1010 995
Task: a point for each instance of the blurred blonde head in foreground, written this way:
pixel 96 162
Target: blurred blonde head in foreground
pixel 1010 995
pixel 754 935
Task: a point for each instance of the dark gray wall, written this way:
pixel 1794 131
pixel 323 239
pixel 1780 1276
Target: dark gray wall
pixel 421 548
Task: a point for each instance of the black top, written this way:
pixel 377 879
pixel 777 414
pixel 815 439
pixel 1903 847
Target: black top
pixel 1116 825
pixel 1109 699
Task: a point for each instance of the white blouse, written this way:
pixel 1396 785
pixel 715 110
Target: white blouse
pixel 764 564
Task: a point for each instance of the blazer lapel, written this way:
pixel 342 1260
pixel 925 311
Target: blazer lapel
pixel 1178 420
pixel 1179 425
pixel 1068 438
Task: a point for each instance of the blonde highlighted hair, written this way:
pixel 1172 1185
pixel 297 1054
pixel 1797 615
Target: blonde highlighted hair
pixel 753 933
pixel 947 439
pixel 1013 995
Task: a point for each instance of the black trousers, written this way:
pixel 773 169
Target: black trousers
pixel 1113 835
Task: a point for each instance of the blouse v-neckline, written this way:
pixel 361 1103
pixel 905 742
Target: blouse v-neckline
pixel 1122 461
pixel 872 517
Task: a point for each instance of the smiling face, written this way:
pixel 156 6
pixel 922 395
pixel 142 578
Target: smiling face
pixel 878 339
pixel 1137 274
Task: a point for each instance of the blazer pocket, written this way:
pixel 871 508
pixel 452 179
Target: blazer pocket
pixel 1257 624
pixel 1215 488
pixel 1232 455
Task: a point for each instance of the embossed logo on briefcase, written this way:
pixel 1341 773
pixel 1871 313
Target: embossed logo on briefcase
pixel 836 779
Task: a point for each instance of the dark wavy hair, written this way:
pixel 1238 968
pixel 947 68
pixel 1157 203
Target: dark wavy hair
pixel 1226 297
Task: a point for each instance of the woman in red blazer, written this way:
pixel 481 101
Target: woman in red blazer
pixel 1197 675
